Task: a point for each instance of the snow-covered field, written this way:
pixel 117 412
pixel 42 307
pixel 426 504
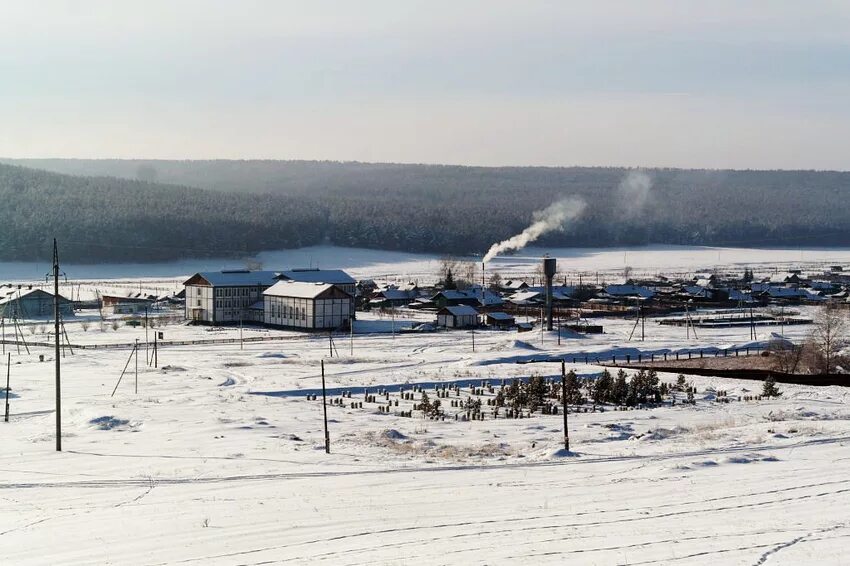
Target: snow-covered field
pixel 219 459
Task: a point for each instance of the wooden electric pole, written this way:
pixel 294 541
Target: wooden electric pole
pixel 8 371
pixel 325 409
pixel 564 399
pixel 56 346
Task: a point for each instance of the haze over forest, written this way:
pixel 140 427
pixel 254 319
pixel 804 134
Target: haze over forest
pixel 150 210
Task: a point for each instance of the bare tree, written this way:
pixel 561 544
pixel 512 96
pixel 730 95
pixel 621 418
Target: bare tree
pixel 786 357
pixel 447 264
pixel 829 336
pixel 466 274
pixel 495 281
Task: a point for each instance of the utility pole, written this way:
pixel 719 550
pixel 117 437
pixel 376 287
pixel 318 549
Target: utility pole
pixel 351 336
pixel 752 325
pixel 56 345
pixel 147 340
pixel 137 366
pixel 8 370
pixel 241 339
pixel 559 328
pixel 325 409
pixel 564 400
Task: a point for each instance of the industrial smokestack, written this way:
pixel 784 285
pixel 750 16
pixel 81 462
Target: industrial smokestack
pixel 549 268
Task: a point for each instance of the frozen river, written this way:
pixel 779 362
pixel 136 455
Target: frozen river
pixel 377 263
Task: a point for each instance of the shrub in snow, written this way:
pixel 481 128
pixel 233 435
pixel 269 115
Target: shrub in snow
pixel 769 388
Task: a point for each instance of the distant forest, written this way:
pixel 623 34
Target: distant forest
pixel 140 210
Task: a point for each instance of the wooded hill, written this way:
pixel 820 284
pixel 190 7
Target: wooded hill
pixel 152 210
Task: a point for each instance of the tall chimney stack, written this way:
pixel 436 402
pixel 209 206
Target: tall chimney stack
pixel 549 268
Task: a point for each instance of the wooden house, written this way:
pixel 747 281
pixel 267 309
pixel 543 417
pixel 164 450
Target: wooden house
pixel 459 316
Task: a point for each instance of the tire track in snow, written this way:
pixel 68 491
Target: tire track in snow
pixel 423 469
pixel 514 529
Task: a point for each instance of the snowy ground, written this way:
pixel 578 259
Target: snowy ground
pixel 219 459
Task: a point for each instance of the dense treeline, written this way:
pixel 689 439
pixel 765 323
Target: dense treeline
pixel 255 205
pixel 107 219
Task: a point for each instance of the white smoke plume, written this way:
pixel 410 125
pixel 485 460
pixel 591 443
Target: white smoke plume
pixel 553 217
pixel 633 192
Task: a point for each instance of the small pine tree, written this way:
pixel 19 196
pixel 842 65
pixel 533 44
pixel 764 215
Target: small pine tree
pixel 602 387
pixel 573 389
pixel 500 398
pixel 536 390
pixel 769 388
pixel 681 383
pixel 425 405
pixel 691 399
pixel 620 389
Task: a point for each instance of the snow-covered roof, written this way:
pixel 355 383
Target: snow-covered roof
pixel 489 299
pixel 629 291
pixel 821 285
pixel 14 296
pixel 784 277
pixel 787 293
pixel 515 284
pixel 500 316
pixel 259 305
pixel 738 295
pixel 524 297
pixel 297 289
pixel 237 278
pixel 334 276
pixel 461 310
pixel 455 295
pixel 398 295
pixel 559 292
pixel 697 291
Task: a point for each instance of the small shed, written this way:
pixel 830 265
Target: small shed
pixel 460 316
pixel 500 320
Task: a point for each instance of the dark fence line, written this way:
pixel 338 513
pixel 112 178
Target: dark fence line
pixel 690 355
pixel 628 359
pixel 820 380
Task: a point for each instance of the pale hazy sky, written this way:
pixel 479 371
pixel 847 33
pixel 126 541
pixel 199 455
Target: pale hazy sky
pixel 639 82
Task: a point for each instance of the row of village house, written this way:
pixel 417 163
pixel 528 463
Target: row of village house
pixel 320 299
